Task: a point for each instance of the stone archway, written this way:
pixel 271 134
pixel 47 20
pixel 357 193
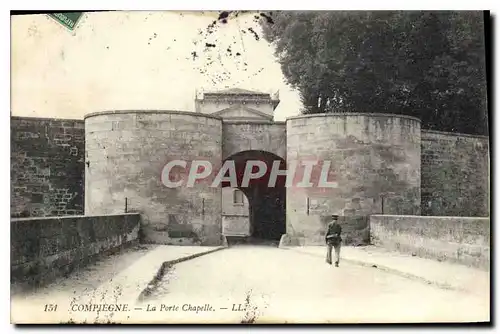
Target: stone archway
pixel 266 204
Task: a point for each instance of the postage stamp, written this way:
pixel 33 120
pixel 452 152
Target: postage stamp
pixel 68 20
pixel 242 167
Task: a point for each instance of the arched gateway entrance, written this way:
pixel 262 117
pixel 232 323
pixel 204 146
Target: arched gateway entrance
pixel 266 203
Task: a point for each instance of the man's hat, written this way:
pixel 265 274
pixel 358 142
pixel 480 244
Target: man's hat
pixel 335 217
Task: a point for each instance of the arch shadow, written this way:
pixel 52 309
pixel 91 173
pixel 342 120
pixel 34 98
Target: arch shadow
pixel 266 204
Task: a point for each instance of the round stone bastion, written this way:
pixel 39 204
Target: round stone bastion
pixel 374 161
pixel 126 152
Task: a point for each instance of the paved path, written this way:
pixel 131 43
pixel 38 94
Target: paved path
pixel 442 274
pixel 285 286
pixel 119 278
pixel 246 284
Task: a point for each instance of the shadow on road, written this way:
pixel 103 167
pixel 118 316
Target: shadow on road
pixel 233 241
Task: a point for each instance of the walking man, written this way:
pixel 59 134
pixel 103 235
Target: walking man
pixel 333 240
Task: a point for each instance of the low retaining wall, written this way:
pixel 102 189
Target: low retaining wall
pixel 355 231
pixel 45 248
pixel 235 224
pixel 464 240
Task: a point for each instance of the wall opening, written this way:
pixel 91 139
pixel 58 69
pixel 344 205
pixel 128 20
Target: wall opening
pixel 238 197
pixel 266 204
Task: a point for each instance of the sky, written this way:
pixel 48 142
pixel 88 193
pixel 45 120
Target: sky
pixel 138 60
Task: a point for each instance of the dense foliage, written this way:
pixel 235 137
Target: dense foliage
pixel 425 64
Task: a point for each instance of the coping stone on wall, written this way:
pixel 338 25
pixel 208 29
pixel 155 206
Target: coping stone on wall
pixel 353 114
pixel 174 112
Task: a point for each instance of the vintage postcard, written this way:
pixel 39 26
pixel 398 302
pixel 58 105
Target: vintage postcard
pixel 250 167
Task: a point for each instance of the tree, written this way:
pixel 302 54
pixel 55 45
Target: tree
pixel 425 64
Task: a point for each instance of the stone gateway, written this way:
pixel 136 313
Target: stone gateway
pixel 375 161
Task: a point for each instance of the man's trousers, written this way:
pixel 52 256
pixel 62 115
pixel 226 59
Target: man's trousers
pixel 329 252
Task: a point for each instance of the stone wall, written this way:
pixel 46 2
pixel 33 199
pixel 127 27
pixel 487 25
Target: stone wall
pixel 455 175
pixel 228 205
pixel 126 152
pixel 235 216
pixel 373 158
pixel 236 225
pixel 47 167
pixel 462 240
pixel 355 231
pixel 241 136
pixel 382 163
pixel 45 248
pixel 210 106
